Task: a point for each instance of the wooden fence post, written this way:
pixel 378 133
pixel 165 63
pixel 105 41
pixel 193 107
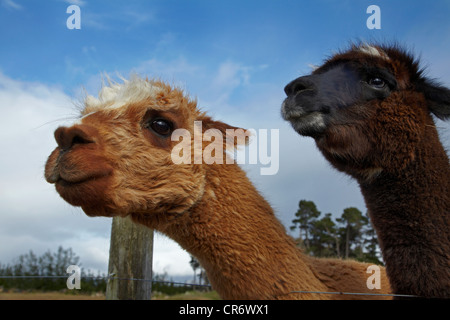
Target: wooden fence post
pixel 130 257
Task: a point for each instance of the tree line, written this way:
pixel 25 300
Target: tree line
pixel 48 272
pixel 350 236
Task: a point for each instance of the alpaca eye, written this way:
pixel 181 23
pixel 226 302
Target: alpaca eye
pixel 161 126
pixel 377 83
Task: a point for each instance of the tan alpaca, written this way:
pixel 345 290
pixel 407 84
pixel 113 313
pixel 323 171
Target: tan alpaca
pixel 117 161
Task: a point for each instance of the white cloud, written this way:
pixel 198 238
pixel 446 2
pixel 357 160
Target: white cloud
pixel 230 74
pixel 169 257
pixel 10 4
pixel 228 77
pixel 214 85
pixel 76 2
pixel 128 19
pixel 174 71
pixel 32 216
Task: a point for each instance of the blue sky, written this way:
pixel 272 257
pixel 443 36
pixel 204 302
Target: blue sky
pixel 234 56
pixel 118 36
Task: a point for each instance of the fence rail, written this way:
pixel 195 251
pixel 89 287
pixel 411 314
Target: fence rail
pixel 109 277
pixel 114 277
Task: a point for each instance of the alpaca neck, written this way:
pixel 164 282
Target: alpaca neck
pixel 236 237
pixel 411 213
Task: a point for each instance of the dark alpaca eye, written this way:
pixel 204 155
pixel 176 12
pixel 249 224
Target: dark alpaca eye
pixel 161 126
pixel 377 83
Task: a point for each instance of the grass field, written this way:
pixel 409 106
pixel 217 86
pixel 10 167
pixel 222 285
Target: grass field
pixel 190 295
pixel 47 296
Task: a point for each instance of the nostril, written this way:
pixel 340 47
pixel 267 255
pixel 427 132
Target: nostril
pixel 298 85
pixel 79 140
pixel 69 137
pixel 288 89
pixel 291 88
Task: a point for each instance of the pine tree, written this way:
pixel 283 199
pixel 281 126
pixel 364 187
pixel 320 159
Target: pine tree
pixel 349 236
pixel 306 217
pixel 325 238
pixel 352 221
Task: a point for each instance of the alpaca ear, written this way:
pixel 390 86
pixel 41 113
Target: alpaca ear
pixel 438 98
pixel 233 136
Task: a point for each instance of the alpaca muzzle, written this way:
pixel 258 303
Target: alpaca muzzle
pixel 301 107
pixel 77 165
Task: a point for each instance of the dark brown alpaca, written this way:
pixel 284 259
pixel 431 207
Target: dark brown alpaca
pixel 117 160
pixel 369 111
